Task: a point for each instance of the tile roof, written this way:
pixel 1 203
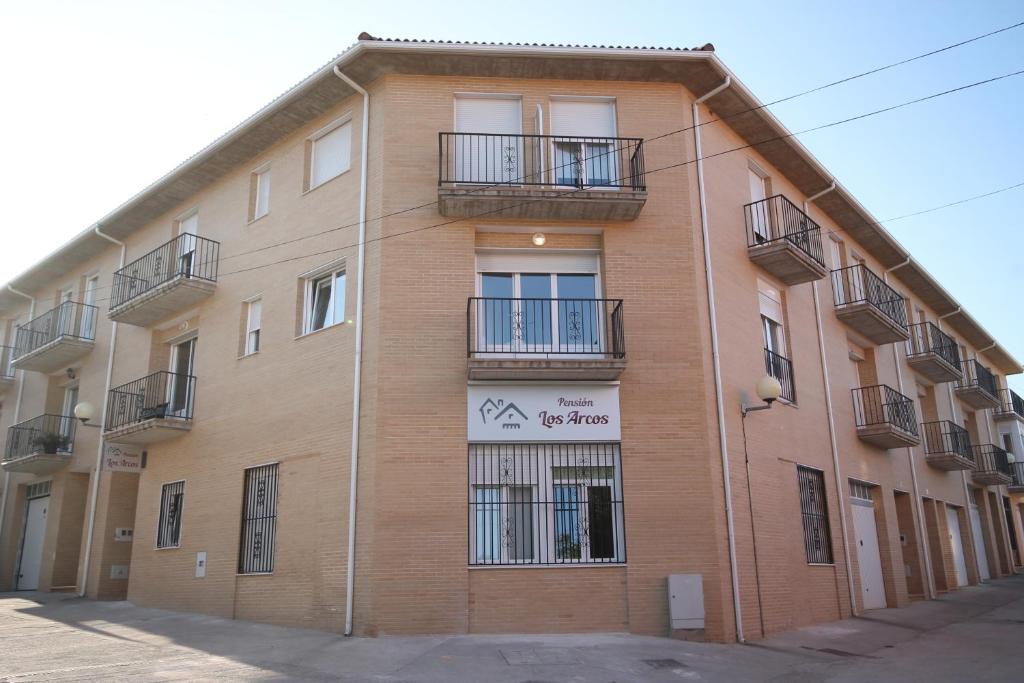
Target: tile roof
pixel 707 47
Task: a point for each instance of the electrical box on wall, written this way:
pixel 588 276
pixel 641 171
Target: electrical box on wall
pixel 686 600
pixel 201 564
pixel 123 534
pixel 119 571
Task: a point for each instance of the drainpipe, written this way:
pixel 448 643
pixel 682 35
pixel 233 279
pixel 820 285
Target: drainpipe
pixel 358 364
pixel 715 358
pixel 94 489
pixel 833 444
pixel 999 494
pixel 17 409
pixel 918 505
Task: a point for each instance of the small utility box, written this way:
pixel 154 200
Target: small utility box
pixel 686 601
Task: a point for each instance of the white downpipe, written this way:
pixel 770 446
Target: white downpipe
pixel 94 488
pixel 719 403
pixel 918 504
pixel 358 370
pixel 833 444
pixel 17 409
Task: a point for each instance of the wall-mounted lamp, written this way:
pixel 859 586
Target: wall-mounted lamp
pixel 539 239
pixel 768 390
pixel 85 412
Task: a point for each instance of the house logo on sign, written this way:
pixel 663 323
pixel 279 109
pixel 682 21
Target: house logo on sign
pixel 507 415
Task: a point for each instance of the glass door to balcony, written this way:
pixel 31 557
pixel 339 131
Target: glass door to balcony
pixel 540 313
pixel 188 228
pixel 66 428
pixel 584 150
pixel 179 386
pixel 489 148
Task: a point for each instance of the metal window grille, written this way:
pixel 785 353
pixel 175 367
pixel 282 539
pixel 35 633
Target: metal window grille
pixel 39 490
pixel 860 490
pixel 172 500
pixel 545 504
pixel 259 520
pixel 814 510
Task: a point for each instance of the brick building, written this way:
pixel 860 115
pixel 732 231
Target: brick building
pixel 460 338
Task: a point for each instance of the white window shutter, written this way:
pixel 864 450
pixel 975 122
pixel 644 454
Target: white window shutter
pixel 587 118
pixel 488 115
pixel 332 154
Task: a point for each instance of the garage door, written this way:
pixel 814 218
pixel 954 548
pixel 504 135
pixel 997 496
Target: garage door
pixel 979 544
pixel 866 537
pixel 32 543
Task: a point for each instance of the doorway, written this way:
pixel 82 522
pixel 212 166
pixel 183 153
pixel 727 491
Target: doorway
pixel 33 534
pixel 869 559
pixel 957 546
pixel 979 541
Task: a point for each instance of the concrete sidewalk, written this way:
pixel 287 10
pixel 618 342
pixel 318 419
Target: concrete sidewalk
pixel 970 635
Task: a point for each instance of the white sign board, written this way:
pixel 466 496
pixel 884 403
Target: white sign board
pixel 121 459
pixel 568 412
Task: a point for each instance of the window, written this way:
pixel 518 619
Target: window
pixel 259 520
pixel 545 504
pixel 330 153
pixel 777 362
pixel 259 189
pixel 253 316
pixel 172 498
pixel 325 301
pixel 1008 443
pixel 583 145
pixel 89 310
pixel 814 510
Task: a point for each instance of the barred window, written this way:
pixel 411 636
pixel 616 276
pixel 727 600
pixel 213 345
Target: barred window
pixel 545 504
pixel 172 498
pixel 814 509
pixel 259 520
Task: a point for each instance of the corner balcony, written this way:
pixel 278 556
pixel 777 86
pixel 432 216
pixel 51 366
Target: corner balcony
pixel 947 446
pixel 6 371
pixel 41 445
pixel 56 339
pixel 1011 406
pixel 933 354
pixel 167 280
pixel 993 466
pixel 885 417
pixel 545 339
pixel 868 305
pixel 784 241
pixel 977 388
pixel 540 176
pixel 1017 473
pixel 150 410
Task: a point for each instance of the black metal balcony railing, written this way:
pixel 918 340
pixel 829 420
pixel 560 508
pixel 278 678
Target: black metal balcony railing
pixel 943 436
pixel 977 375
pixel 777 218
pixel 1011 402
pixel 1017 472
pixel 68 320
pixel 162 395
pixel 50 434
pixel 6 354
pixel 781 368
pixel 883 405
pixel 540 160
pixel 991 459
pixel 928 338
pixel 858 284
pixel 185 256
pixel 545 326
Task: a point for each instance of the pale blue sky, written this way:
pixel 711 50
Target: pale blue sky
pixel 103 97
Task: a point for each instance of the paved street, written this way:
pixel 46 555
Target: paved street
pixel 971 635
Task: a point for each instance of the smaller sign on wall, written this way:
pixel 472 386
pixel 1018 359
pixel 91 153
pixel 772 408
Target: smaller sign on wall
pixel 117 458
pixel 569 412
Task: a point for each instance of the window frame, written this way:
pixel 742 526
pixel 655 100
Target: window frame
pixel 827 553
pixel 259 178
pixel 160 521
pixel 272 472
pixel 330 272
pixel 311 145
pixel 248 347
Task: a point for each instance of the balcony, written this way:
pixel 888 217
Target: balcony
pixel 993 466
pixel 977 388
pixel 56 339
pixel 784 240
pixel 868 305
pixel 41 445
pixel 1011 406
pixel 885 417
pixel 550 339
pixel 150 410
pixel 167 280
pixel 947 446
pixel 6 371
pixel 540 176
pixel 1017 473
pixel 781 368
pixel 933 353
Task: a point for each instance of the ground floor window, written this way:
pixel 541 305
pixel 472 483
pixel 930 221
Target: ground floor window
pixel 259 520
pixel 545 504
pixel 814 510
pixel 172 498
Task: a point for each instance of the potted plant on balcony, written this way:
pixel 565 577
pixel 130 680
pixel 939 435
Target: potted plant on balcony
pixel 51 443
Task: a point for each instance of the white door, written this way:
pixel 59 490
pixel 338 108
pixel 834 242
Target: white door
pixel 759 212
pixel 584 151
pixel 66 313
pixel 491 147
pixel 188 228
pixel 979 544
pixel 180 387
pixel 868 558
pixel 32 544
pixel 956 543
pixel 68 415
pixel 89 314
